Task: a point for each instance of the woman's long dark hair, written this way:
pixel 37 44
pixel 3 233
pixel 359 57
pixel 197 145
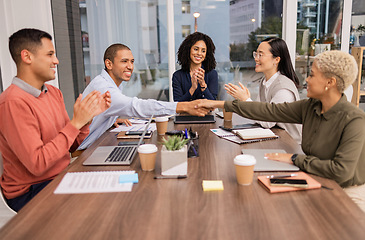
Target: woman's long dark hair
pixel 183 54
pixel 280 49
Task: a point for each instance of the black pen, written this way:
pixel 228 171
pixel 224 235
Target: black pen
pixel 326 187
pixel 171 177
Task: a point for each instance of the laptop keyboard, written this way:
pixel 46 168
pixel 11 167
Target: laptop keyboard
pixel 120 154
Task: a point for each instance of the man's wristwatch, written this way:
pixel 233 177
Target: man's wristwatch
pixel 293 157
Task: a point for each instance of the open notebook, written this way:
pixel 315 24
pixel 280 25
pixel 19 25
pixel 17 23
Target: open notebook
pixel 233 137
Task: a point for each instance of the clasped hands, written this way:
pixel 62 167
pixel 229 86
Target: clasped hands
pixel 198 78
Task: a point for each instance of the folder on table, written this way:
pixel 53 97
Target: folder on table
pixel 265 182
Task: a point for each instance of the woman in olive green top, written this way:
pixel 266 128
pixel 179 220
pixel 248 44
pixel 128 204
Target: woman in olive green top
pixel 333 129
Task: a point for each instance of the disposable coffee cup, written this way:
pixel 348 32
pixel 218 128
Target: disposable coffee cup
pixel 227 115
pixel 161 123
pixel 227 124
pixel 244 164
pixel 147 156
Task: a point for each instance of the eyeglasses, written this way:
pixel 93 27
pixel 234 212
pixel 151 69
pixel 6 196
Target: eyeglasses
pixel 257 55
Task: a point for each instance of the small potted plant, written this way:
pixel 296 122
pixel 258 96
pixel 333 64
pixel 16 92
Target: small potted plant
pixel 174 157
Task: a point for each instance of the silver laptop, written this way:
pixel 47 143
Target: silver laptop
pixel 267 165
pixel 116 155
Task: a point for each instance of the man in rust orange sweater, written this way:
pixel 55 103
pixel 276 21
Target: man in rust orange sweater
pixel 36 134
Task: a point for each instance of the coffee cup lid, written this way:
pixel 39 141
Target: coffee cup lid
pixel 147 148
pixel 161 119
pixel 244 160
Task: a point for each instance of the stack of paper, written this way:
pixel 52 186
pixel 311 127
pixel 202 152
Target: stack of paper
pixel 255 133
pixel 138 126
pixel 96 182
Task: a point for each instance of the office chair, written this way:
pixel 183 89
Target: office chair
pixel 6 211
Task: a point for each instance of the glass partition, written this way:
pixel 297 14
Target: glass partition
pixel 141 25
pixel 236 28
pixel 319 24
pixel 357 39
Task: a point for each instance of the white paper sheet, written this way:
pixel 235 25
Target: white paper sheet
pixel 134 127
pixel 93 182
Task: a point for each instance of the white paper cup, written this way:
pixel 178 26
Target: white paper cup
pixel 161 124
pixel 244 164
pixel 147 156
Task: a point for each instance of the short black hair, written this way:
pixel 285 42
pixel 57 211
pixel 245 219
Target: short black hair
pixel 26 38
pixel 278 48
pixel 183 54
pixel 112 50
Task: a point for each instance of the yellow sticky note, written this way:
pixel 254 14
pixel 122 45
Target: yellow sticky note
pixel 212 185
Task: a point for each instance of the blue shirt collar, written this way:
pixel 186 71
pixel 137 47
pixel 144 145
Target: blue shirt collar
pixel 107 77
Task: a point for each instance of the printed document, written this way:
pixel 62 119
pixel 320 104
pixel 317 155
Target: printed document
pixel 93 182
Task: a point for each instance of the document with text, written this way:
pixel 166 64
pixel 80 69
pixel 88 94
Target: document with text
pixel 93 182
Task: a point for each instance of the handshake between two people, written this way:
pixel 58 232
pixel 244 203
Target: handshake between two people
pixel 198 107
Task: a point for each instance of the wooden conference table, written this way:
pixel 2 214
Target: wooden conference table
pixel 180 209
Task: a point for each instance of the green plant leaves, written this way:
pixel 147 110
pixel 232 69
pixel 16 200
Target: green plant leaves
pixel 174 143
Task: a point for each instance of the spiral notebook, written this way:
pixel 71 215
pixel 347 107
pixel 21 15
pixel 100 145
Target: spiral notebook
pixel 231 136
pixel 222 133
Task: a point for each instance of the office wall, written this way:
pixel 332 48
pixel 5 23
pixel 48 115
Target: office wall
pixel 67 31
pixel 61 19
pixel 15 15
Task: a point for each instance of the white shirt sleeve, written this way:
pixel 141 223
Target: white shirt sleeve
pixel 123 106
pixel 135 107
pixel 283 95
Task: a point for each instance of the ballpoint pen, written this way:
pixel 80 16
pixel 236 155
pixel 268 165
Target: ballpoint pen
pixel 282 176
pixel 186 133
pixel 191 133
pixel 193 148
pixel 326 187
pixel 171 177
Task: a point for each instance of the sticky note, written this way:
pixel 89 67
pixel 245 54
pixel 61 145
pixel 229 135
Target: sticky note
pixel 128 178
pixel 212 185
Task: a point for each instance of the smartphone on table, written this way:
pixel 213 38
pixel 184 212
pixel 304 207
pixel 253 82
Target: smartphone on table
pixel 301 183
pixel 241 126
pixel 138 133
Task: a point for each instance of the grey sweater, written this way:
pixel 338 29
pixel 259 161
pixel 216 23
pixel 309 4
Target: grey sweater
pixel 283 82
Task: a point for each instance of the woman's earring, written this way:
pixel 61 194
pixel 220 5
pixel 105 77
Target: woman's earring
pixel 326 88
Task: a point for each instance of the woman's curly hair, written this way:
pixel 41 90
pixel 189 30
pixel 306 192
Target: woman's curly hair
pixel 183 54
pixel 339 65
